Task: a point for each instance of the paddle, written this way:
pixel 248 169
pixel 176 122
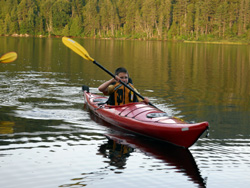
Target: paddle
pixel 8 57
pixel 77 48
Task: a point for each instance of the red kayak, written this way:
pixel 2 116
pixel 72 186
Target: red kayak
pixel 146 120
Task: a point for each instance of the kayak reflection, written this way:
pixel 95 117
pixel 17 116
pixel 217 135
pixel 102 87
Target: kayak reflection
pixel 120 145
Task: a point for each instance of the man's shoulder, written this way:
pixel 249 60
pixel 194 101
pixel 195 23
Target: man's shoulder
pixel 110 89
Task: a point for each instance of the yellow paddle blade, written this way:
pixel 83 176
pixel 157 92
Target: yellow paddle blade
pixel 8 57
pixel 77 48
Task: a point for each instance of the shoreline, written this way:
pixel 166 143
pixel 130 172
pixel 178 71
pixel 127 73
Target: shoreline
pixel 153 39
pixel 217 42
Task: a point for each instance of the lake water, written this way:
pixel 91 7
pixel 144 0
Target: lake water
pixel 48 138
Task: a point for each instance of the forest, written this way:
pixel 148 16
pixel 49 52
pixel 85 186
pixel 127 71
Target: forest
pixel 191 20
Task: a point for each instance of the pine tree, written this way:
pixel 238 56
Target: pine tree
pixel 164 18
pixel 148 17
pixel 61 11
pixel 221 18
pixel 47 15
pixel 76 28
pixel 161 19
pixel 91 19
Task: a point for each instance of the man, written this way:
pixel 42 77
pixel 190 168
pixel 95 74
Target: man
pixel 118 93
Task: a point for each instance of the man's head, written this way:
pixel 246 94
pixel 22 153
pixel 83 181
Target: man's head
pixel 123 74
pixel 121 69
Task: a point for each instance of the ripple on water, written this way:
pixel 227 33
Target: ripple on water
pixel 51 141
pixel 222 158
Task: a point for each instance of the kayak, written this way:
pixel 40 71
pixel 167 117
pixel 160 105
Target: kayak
pixel 144 119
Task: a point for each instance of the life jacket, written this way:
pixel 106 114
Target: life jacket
pixel 122 95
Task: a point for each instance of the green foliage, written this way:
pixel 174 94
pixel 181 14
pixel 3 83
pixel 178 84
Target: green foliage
pixel 61 13
pixel 135 19
pixel 76 27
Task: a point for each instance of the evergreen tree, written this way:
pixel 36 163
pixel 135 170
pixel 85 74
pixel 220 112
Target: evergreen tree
pixel 130 19
pixel 47 15
pixel 27 11
pixel 144 19
pixel 77 7
pixel 91 18
pixel 232 17
pixel 221 18
pixel 76 27
pixel 164 18
pixel 61 14
pixel 108 17
pixel 14 26
pixel 148 17
pixel 190 19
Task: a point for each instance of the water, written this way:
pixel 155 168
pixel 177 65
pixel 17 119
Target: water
pixel 48 138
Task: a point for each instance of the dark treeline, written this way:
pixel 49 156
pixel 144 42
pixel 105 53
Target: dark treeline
pixel 137 19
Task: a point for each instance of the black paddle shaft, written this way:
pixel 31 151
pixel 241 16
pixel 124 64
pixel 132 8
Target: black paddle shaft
pixel 126 85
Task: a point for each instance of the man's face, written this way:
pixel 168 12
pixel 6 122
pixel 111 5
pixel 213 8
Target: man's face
pixel 124 77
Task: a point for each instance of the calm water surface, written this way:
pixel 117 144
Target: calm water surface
pixel 48 138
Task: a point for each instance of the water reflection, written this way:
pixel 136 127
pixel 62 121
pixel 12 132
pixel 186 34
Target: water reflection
pixel 117 153
pixel 6 127
pixel 178 158
pixel 41 115
pixel 198 80
pixel 117 150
